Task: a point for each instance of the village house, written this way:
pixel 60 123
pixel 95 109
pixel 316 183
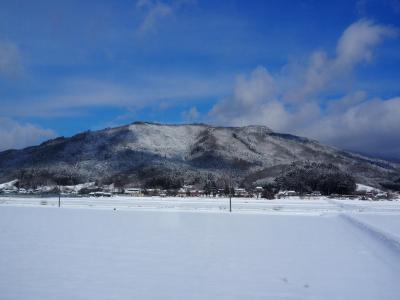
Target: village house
pixel 240 192
pixel 100 194
pixel 182 192
pixel 136 192
pixel 283 194
pixel 258 191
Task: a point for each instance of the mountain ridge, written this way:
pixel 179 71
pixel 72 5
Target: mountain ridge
pixel 141 151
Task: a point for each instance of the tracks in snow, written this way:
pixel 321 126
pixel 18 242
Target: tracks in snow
pixel 381 236
pixel 385 238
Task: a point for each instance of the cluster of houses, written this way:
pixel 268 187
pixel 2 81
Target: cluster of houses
pixel 12 187
pixel 365 192
pixel 192 191
pixel 91 189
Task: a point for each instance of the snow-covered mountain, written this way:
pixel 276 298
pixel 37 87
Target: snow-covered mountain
pixel 141 152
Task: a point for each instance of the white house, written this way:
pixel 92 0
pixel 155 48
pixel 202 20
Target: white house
pixel 133 191
pixel 239 192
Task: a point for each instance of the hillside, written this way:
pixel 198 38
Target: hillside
pixel 142 153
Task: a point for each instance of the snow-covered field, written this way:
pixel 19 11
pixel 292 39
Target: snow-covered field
pixel 291 205
pixel 193 248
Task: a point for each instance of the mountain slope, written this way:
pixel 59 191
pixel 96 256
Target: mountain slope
pixel 139 152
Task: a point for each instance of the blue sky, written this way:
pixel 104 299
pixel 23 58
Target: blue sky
pixel 329 70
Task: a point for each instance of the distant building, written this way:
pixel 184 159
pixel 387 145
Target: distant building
pixel 182 192
pixel 100 194
pixel 316 194
pixel 133 192
pixel 258 191
pixel 381 196
pixel 283 194
pixel 152 192
pixel 239 192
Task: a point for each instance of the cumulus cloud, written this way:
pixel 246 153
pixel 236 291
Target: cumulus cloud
pixel 191 115
pixel 356 43
pixel 249 93
pixel 291 100
pixel 10 60
pixel 321 72
pixel 371 126
pixel 15 135
pixel 156 11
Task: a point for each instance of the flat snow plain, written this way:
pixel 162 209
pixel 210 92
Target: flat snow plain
pixel 193 248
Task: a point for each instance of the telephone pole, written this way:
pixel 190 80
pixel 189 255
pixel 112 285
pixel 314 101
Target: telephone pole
pixel 59 197
pixel 230 193
pixel 230 202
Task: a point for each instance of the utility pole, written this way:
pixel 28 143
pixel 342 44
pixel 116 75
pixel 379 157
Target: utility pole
pixel 230 193
pixel 230 202
pixel 59 197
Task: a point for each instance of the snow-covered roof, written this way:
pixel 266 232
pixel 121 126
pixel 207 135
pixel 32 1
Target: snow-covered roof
pixel 8 185
pixel 365 188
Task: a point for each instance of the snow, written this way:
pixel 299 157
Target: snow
pixel 260 154
pixel 76 188
pixel 290 205
pixel 388 224
pixel 167 141
pixel 164 248
pixel 365 188
pixel 9 185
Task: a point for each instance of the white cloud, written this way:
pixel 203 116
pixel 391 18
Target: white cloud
pixel 10 60
pixel 69 97
pixel 355 46
pixel 290 101
pixel 370 126
pixel 249 93
pixel 156 11
pixel 143 3
pixel 191 115
pixel 356 43
pixel 349 100
pixel 14 135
